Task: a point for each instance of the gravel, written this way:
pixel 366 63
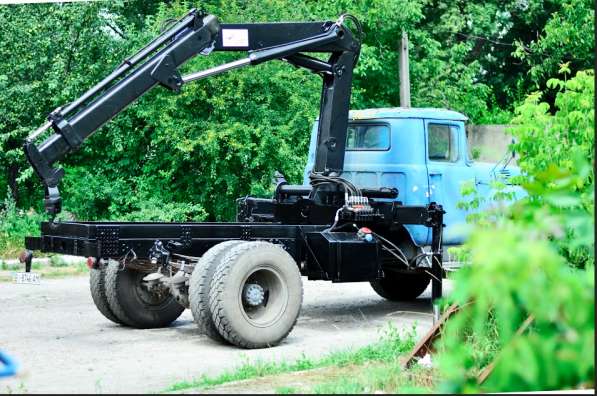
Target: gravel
pixel 64 345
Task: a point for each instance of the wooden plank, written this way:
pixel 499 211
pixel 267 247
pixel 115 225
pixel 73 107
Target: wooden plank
pixel 425 345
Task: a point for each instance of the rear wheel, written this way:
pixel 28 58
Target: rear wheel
pixel 199 287
pixel 97 278
pixel 256 295
pixel 133 304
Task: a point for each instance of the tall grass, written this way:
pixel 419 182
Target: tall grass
pixel 390 346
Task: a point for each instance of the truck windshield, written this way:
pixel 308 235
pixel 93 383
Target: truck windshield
pixel 368 137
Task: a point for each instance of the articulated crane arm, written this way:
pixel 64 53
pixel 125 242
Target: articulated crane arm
pixel 199 33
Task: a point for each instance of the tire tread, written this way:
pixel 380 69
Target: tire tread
pixel 199 289
pixel 404 287
pixel 97 286
pixel 112 285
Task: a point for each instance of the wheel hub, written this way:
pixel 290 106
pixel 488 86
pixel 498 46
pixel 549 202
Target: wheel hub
pixel 253 294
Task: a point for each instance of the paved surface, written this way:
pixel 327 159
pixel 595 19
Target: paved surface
pixel 63 344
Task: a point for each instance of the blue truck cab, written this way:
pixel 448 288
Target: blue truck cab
pixel 420 151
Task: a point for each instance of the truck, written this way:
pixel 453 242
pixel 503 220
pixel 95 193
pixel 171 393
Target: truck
pixel 424 154
pixel 373 194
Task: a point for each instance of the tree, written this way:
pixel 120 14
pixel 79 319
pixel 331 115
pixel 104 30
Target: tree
pixel 533 261
pixel 223 137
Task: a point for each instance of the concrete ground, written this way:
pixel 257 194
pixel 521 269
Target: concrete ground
pixel 64 345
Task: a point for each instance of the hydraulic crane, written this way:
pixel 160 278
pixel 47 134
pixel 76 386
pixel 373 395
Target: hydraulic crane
pixel 195 34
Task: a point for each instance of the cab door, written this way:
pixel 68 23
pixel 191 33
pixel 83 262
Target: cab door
pixel 447 169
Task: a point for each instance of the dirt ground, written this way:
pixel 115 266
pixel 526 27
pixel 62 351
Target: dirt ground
pixel 63 344
pixel 301 381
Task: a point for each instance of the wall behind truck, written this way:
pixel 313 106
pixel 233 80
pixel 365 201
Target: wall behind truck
pixel 489 141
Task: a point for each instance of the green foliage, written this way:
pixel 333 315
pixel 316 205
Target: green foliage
pixel 561 177
pixel 58 261
pixel 567 37
pixel 571 128
pixel 46 55
pixel 15 224
pixel 493 203
pixel 475 153
pixel 495 115
pixel 534 258
pixel 511 282
pixel 223 137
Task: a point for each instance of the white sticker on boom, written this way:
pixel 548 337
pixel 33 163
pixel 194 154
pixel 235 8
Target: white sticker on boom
pixel 235 38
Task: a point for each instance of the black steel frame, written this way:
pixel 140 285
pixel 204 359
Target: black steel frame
pixel 119 240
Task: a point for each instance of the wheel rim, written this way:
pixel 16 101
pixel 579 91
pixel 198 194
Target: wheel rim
pixel 263 296
pixel 152 298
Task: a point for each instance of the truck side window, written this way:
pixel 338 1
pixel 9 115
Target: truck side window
pixel 442 142
pixel 368 137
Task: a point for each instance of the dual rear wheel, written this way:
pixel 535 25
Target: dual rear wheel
pixel 119 294
pixel 248 294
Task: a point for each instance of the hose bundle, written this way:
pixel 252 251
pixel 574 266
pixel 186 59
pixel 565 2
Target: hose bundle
pixel 318 180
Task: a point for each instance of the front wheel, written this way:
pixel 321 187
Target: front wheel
pixel 401 286
pixel 136 306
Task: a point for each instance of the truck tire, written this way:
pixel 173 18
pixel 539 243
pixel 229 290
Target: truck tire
pixel 199 287
pixel 401 286
pixel 97 286
pixel 256 295
pixel 133 304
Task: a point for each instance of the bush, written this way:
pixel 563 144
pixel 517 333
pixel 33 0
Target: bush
pixel 15 224
pixel 508 281
pixel 533 259
pixel 58 261
pixel 154 210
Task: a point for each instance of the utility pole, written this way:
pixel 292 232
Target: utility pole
pixel 404 72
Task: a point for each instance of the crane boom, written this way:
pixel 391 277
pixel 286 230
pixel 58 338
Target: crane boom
pixel 199 33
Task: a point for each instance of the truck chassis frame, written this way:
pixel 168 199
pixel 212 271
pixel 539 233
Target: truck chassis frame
pixel 125 240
